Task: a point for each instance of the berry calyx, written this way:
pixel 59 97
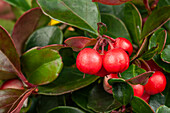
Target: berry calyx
pixel 13 84
pixel 89 61
pixel 138 90
pixel 123 43
pixel 156 83
pixel 116 60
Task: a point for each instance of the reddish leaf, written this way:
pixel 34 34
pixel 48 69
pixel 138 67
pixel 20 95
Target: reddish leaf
pixel 141 79
pixel 111 2
pixel 79 42
pixel 25 26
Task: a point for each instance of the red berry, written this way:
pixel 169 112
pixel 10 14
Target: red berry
pixel 13 83
pixel 138 90
pixel 156 83
pixel 145 97
pixel 123 43
pixel 102 72
pixel 107 87
pixel 89 61
pixel 116 60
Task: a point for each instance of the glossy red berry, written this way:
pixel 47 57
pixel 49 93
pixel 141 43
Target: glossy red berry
pixel 116 60
pixel 123 43
pixel 106 86
pixel 156 83
pixel 89 61
pixel 145 97
pixel 13 84
pixel 138 90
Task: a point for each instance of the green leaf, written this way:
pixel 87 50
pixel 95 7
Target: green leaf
pixel 163 109
pixel 65 109
pixel 155 21
pixel 156 100
pixel 155 41
pixel 115 27
pixel 148 55
pixel 122 91
pixel 111 2
pixel 34 4
pixel 26 24
pixel 132 71
pixel 105 8
pixel 140 106
pixel 85 12
pixel 165 66
pixel 165 54
pixel 70 79
pixel 7 24
pixel 44 36
pixel 45 103
pixel 101 101
pixel 23 4
pixel 41 66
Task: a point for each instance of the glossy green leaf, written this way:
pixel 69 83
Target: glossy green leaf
pixel 115 27
pixel 44 36
pixel 155 21
pixel 148 55
pixel 162 3
pixel 101 101
pixel 140 106
pixel 65 109
pixel 165 66
pixel 163 109
pixel 27 23
pixel 122 91
pixel 70 79
pixel 83 14
pixel 34 4
pixel 156 100
pixel 165 54
pixel 23 4
pixel 155 41
pixel 105 8
pixel 7 24
pixel 132 71
pixel 41 66
pixel 45 103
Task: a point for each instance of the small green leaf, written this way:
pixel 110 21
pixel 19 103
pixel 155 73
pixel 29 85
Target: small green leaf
pixel 155 42
pixel 85 12
pixel 148 55
pixel 23 4
pixel 41 66
pixel 155 21
pixel 140 106
pixel 163 109
pixel 132 71
pixel 70 79
pixel 156 100
pixel 65 109
pixel 45 36
pixel 115 27
pixel 101 101
pixel 122 91
pixel 165 55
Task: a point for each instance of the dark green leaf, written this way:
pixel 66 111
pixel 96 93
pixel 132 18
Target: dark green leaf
pixel 70 79
pixel 165 55
pixel 155 41
pixel 111 2
pixel 150 53
pixel 45 36
pixel 122 91
pixel 140 106
pixel 132 71
pixel 23 4
pixel 101 101
pixel 65 109
pixel 31 20
pixel 83 14
pixel 105 8
pixel 163 109
pixel 156 20
pixel 7 24
pixel 162 3
pixel 45 103
pixel 165 66
pixel 156 100
pixel 41 66
pixel 115 27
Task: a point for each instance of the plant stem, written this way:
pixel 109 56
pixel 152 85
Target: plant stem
pixel 146 2
pixel 154 4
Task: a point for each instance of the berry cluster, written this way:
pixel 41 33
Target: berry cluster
pixel 100 62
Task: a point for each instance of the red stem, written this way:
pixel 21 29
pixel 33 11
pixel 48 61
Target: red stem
pixel 97 44
pixel 113 40
pixel 154 4
pixel 111 45
pixel 146 64
pixel 100 24
pixel 146 2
